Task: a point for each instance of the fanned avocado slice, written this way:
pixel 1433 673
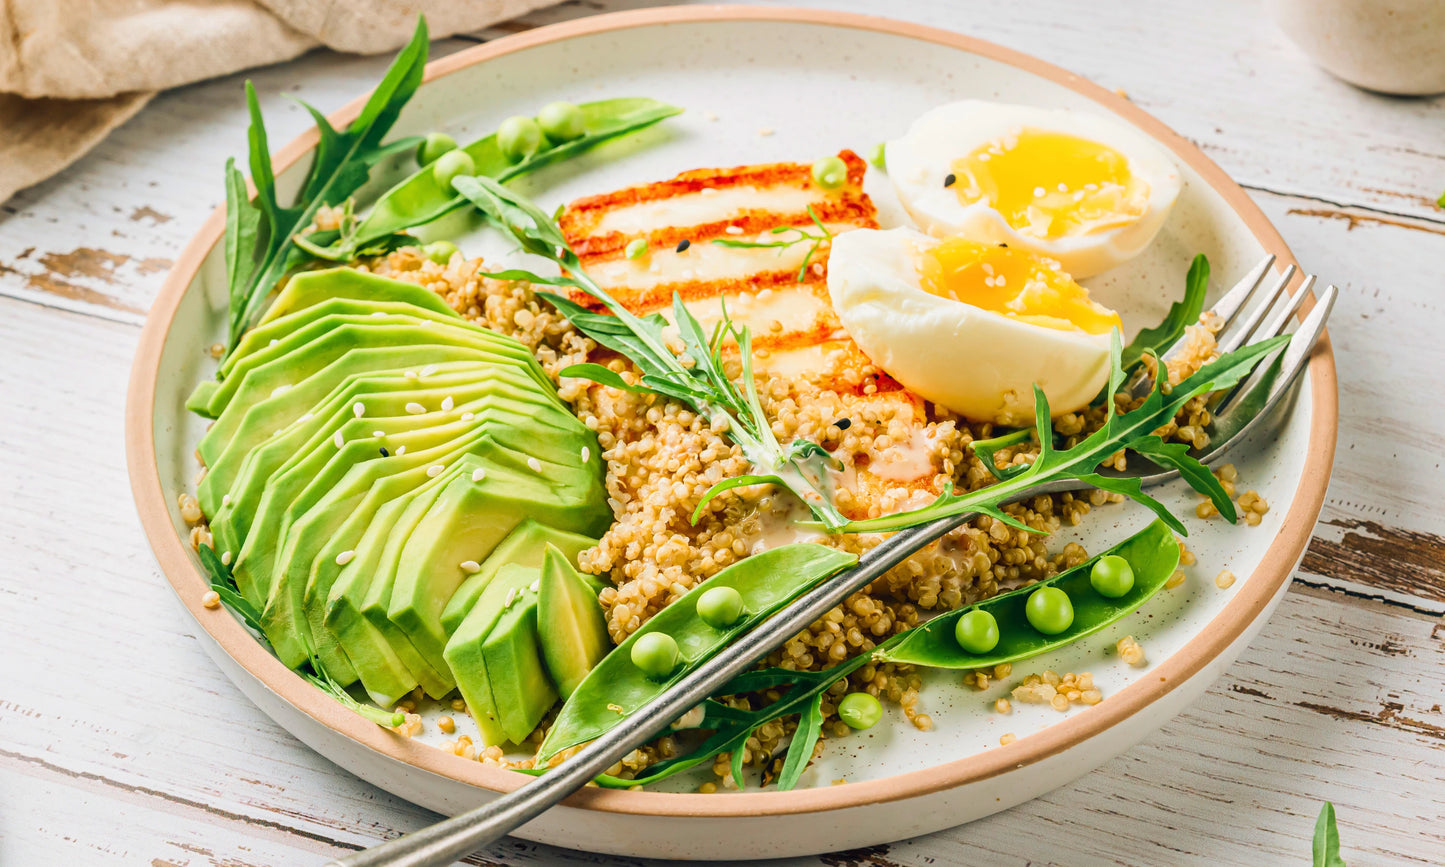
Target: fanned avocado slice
pixel 385 400
pixel 310 348
pixel 466 651
pixel 571 627
pixel 495 430
pixel 524 546
pixel 512 657
pixel 312 287
pixel 466 523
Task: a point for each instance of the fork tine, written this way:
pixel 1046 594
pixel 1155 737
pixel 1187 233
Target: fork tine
pixel 1275 326
pixel 1269 382
pixel 1233 301
pixel 1236 337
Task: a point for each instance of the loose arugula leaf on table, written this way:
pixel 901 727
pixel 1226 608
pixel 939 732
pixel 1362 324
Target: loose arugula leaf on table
pixel 1182 313
pixel 1327 839
pixel 698 377
pixel 1134 430
pixel 259 233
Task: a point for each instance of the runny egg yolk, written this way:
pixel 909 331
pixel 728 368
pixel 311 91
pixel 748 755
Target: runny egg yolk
pixel 1051 184
pixel 1015 283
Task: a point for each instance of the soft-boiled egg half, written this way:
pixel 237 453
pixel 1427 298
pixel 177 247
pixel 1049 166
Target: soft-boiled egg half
pixel 1085 190
pixel 970 325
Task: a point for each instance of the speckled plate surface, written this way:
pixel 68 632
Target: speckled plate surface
pixel 763 85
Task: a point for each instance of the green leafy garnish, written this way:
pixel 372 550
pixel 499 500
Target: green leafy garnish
pixel 259 233
pixel 1134 430
pixel 697 377
pixel 1327 839
pixel 802 237
pixel 1182 313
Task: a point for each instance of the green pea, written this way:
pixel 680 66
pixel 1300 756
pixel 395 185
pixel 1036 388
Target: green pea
pixel 636 248
pixel 1049 610
pixel 519 137
pixel 830 173
pixel 860 710
pixel 877 156
pixel 976 631
pixel 655 653
pixel 439 252
pixel 1112 576
pixel 720 607
pixel 561 121
pixel 451 164
pixel 433 146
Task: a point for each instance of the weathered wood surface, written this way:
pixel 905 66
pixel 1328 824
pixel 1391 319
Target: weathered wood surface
pixel 122 743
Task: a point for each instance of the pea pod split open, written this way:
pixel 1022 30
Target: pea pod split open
pixel 422 198
pixel 1154 555
pixel 618 686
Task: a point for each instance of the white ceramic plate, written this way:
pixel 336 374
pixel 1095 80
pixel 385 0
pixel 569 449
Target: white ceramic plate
pixel 763 85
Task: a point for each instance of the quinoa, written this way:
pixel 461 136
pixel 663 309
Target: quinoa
pixel 662 457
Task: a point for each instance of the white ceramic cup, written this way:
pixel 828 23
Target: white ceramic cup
pixel 1390 46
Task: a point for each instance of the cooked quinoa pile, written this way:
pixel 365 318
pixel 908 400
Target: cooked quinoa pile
pixel 662 457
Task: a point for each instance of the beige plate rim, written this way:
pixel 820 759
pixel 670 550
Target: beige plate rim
pixel 1252 598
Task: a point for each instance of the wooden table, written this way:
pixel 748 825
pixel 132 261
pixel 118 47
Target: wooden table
pixel 120 742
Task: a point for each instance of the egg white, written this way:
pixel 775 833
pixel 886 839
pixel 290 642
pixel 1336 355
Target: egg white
pixel 920 161
pixel 978 363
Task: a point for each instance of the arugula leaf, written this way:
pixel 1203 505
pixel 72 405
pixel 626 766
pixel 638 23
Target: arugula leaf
pixel 986 449
pixel 601 375
pixel 805 740
pixel 1327 839
pixel 259 248
pixel 1181 314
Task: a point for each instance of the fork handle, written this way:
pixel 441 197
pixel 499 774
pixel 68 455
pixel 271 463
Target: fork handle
pixel 454 838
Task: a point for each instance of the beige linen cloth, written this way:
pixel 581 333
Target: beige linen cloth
pixel 73 70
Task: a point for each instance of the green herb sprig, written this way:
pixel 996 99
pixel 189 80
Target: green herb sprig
pixel 697 377
pixel 1327 839
pixel 803 237
pixel 1134 431
pixel 259 233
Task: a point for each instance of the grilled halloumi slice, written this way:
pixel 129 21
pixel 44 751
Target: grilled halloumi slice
pixel 703 231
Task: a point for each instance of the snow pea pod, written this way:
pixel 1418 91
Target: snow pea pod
pixel 1154 555
pixel 617 687
pixel 423 197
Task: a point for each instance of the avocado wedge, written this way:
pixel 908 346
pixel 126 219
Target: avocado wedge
pixel 571 627
pixel 524 546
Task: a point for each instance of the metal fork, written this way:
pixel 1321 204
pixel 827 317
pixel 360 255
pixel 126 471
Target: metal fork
pixel 1234 415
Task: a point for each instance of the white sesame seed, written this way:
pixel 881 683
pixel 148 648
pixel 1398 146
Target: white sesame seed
pixel 415 408
pixel 435 470
pixel 765 131
pixel 339 440
pixel 345 557
pixel 448 403
pixel 280 389
pixel 226 500
pixel 734 230
pixel 273 342
pixel 1000 281
pixel 535 464
pixel 468 416
pixel 429 370
pixel 478 474
pixel 378 313
pixel 307 417
pixel 400 450
pixel 225 558
pixel 412 374
pixel 511 597
pixel 1063 187
pixel 378 433
pixel 1039 192
pixel 983 157
pixel 586 454
pixel 358 409
pixel 535 585
pixel 471 567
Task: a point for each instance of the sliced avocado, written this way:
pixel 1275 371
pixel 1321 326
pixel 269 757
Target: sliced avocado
pixel 305 476
pixel 571 627
pixel 466 523
pixel 312 287
pixel 465 651
pixel 485 387
pixel 525 546
pixel 307 350
pixel 512 657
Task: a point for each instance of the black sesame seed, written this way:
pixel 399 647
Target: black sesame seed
pixel 683 245
pixel 1002 244
pixel 843 423
pixel 948 180
pixel 385 453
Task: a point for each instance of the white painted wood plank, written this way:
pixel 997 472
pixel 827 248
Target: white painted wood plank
pixel 1336 699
